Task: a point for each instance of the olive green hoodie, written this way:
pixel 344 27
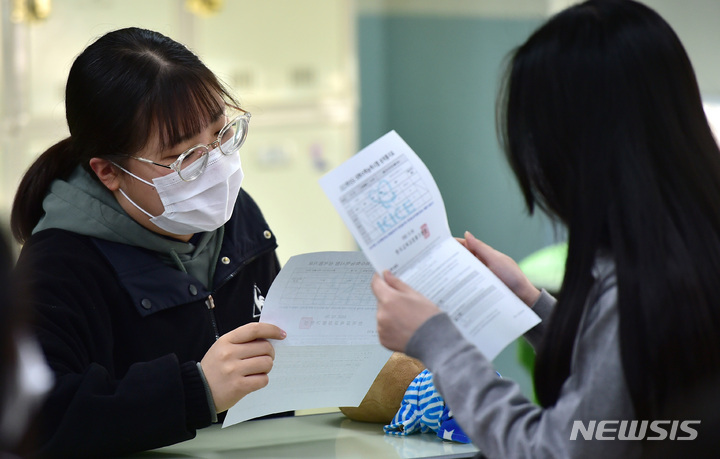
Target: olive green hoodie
pixel 83 205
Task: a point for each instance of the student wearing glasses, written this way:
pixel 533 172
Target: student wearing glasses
pixel 146 262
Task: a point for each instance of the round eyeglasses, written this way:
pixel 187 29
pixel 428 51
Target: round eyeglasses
pixel 193 161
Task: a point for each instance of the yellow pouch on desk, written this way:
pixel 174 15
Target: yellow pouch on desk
pixel 385 395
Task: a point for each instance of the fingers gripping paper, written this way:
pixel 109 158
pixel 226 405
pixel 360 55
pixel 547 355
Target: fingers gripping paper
pixel 392 206
pixel 331 354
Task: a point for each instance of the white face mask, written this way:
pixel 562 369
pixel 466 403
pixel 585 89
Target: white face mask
pixel 204 204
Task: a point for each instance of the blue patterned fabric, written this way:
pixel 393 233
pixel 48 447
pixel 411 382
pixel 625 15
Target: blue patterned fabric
pixel 423 410
pixel 450 430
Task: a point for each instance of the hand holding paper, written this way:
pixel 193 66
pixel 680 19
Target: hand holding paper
pixel 239 361
pixel 331 354
pixel 392 206
pixel 503 267
pixel 401 311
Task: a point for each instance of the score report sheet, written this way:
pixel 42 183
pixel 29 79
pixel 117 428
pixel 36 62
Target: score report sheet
pixel 392 206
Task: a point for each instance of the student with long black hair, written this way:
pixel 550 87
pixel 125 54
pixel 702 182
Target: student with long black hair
pixel 601 119
pixel 145 262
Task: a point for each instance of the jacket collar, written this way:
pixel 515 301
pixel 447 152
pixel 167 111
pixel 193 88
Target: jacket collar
pixel 154 286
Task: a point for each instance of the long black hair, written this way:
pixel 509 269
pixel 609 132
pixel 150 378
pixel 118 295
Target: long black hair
pixel 602 121
pixel 122 87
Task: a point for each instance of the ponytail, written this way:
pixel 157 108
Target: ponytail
pixel 56 163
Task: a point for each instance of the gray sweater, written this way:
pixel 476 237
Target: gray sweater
pixel 505 424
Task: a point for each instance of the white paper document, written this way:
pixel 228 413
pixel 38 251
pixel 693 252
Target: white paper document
pixel 331 355
pixel 392 206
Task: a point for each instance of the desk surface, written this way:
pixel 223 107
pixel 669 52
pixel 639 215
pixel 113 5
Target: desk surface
pixel 311 436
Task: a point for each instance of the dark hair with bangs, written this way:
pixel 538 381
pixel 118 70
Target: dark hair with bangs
pixel 123 86
pixel 601 118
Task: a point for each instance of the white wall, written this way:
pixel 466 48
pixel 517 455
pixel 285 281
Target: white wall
pixel 291 63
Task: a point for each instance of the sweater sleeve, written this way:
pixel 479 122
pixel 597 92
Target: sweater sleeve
pixel 501 421
pixel 543 308
pixel 92 414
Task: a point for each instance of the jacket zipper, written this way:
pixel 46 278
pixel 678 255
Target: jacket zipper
pixel 210 303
